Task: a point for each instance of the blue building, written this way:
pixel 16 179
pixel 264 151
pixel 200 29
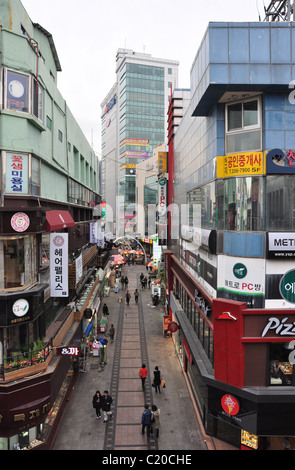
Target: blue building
pixel 233 171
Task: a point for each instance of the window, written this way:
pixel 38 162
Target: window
pixel 49 123
pixel 60 136
pixel 35 185
pixel 37 100
pixel 17 261
pixel 243 126
pixel 17 91
pixel 24 94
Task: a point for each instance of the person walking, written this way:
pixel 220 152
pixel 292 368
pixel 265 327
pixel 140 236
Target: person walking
pixel 126 282
pixel 149 282
pixel 136 295
pixel 143 372
pixel 155 420
pixel 123 282
pixel 146 420
pixel 128 296
pixel 157 379
pixel 112 332
pixel 105 310
pixel 106 405
pixel 97 403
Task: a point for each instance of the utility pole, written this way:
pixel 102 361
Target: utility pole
pixel 280 10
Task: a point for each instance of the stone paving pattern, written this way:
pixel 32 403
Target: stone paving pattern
pixel 179 424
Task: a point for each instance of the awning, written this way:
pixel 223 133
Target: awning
pixel 58 220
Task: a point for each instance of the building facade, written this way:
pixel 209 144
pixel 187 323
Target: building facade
pixel 231 264
pixel 49 189
pixel 143 93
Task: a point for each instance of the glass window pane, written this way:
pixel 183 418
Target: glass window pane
pixel 234 115
pixel 243 141
pixel 251 113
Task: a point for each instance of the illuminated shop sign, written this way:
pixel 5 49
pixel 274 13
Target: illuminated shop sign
pixel 280 162
pixel 240 164
pixel 281 245
pixel 230 405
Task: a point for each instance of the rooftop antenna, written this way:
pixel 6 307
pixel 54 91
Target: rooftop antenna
pixel 280 10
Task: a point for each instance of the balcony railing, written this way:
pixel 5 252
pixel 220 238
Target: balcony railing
pixel 24 360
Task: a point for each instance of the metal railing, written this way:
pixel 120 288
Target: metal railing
pixel 24 360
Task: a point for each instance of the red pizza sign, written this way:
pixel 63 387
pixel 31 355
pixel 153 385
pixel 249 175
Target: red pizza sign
pixel 230 405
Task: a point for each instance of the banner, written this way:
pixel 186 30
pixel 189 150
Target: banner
pixel 59 285
pixel 79 268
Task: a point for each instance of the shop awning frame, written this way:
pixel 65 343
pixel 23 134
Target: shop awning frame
pixel 58 220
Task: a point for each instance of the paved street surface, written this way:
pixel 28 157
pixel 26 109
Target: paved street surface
pixel 139 338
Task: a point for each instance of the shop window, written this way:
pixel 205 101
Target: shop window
pixel 281 371
pixel 17 261
pixel 243 126
pixel 243 204
pixel 280 203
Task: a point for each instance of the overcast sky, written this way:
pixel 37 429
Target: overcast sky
pixel 88 33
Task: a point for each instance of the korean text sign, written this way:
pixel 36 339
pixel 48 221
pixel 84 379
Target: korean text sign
pixel 59 285
pixel 17 173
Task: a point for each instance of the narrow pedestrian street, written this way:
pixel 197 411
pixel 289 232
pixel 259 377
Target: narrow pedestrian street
pixel 138 339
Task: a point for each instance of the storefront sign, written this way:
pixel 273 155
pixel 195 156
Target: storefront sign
pixel 20 308
pixel 162 196
pixel 93 232
pixel 280 162
pixel 281 245
pixel 241 278
pixel 62 351
pixel 230 405
pixel 59 265
pixel 20 222
pixel 17 173
pixel 279 327
pixel 240 164
pixel 287 286
pixel 162 162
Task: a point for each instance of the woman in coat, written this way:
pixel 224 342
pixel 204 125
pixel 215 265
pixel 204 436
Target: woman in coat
pixel 155 420
pixel 97 403
pixel 157 379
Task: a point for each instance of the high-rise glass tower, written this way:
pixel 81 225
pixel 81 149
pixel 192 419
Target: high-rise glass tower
pixel 143 90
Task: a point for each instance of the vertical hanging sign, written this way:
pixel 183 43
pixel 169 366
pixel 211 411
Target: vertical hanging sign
pixel 59 285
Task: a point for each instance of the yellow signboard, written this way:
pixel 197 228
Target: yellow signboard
pixel 162 162
pixel 241 164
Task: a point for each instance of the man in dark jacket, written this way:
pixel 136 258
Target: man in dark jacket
pixel 106 405
pixel 157 379
pixel 146 420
